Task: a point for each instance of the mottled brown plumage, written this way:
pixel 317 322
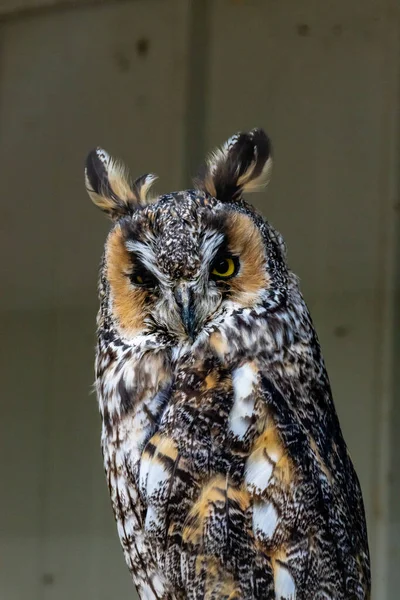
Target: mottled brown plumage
pixel 228 473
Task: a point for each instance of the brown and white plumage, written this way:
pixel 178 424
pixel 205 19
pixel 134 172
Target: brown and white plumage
pixel 228 473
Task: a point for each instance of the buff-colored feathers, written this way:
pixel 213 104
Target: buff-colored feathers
pixel 110 188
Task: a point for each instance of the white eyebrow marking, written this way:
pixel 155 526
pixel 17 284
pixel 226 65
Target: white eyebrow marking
pixel 147 256
pixel 210 244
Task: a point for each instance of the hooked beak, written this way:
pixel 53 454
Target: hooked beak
pixel 185 300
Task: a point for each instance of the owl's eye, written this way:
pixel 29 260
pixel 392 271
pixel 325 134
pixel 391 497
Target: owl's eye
pixel 143 278
pixel 224 267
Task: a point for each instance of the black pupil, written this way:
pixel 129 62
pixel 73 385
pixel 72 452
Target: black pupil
pixel 222 266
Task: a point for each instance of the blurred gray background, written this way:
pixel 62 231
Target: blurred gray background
pixel 158 83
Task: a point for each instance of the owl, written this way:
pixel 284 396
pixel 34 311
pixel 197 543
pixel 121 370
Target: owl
pixel 228 473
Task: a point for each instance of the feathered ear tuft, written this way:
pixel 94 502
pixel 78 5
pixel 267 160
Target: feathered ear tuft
pixel 242 164
pixel 108 185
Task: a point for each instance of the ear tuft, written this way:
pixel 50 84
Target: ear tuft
pixel 109 186
pixel 242 164
pixel 141 188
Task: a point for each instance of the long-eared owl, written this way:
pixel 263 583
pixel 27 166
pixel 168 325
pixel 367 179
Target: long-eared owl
pixel 228 473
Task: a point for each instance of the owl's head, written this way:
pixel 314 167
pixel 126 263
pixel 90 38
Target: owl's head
pixel 178 263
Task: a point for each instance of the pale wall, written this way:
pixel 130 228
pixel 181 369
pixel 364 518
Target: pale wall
pixel 157 83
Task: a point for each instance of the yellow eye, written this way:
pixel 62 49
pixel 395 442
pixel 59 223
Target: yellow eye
pixel 143 278
pixel 224 268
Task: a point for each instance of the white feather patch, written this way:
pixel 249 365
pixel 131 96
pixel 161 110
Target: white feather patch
pixel 145 465
pixel 285 587
pixel 146 591
pixel 265 520
pixel 158 583
pixel 238 427
pixel 158 476
pixel 258 472
pixel 243 380
pixel 152 519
